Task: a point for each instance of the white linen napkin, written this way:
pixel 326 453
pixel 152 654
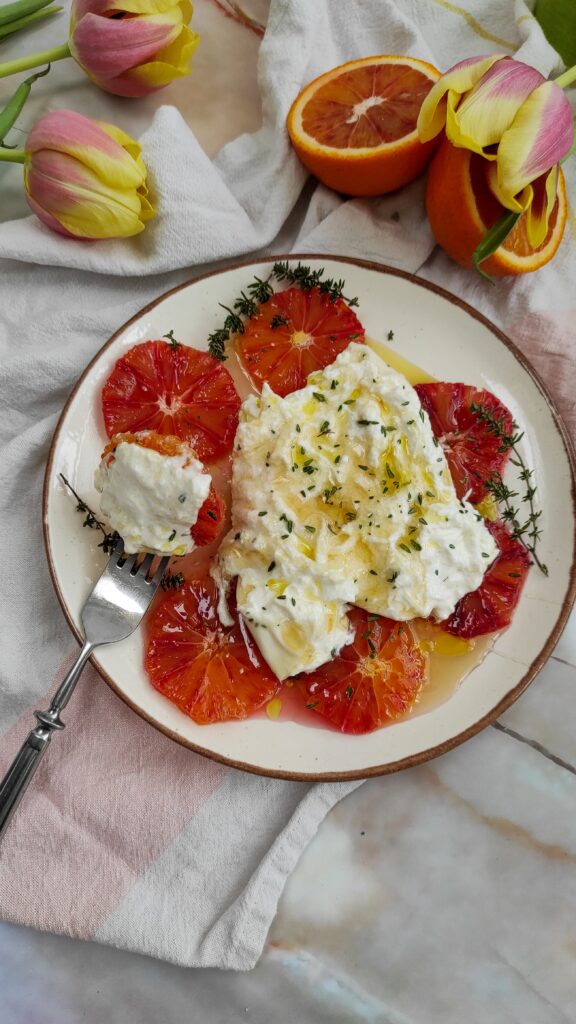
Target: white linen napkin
pixel 155 849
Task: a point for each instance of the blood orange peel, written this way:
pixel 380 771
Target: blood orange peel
pixel 462 208
pixel 355 126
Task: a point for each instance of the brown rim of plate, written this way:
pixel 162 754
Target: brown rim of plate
pixel 431 752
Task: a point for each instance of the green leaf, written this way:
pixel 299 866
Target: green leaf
pixel 558 21
pixel 28 19
pixel 493 240
pixel 14 106
pixel 19 9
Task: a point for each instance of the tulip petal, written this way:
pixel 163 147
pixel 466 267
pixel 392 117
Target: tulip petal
pixel 76 198
pixel 488 110
pixel 86 141
pixel 536 201
pixel 540 206
pixel 540 135
pixel 459 79
pixel 171 63
pixel 106 47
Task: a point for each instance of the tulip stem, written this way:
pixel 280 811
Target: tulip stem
pixel 12 156
pixel 35 60
pixel 567 78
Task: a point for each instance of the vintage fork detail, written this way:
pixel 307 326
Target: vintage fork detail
pixel 112 612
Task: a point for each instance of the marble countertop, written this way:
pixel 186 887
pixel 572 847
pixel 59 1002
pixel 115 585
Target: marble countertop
pixel 441 895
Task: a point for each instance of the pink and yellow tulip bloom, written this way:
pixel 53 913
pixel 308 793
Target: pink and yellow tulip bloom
pixel 508 113
pixel 132 47
pixel 83 178
pixel 127 47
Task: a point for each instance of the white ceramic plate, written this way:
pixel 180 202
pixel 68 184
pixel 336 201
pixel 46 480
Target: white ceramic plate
pixel 452 342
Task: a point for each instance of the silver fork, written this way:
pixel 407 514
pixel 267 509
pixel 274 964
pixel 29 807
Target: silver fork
pixel 113 611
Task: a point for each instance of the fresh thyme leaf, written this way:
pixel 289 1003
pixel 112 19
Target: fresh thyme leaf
pixel 260 290
pixel 172 580
pixel 306 279
pixel 91 521
pixel 279 320
pixel 174 345
pixel 216 343
pixel 527 530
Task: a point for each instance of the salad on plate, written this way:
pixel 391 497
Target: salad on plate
pixel 346 549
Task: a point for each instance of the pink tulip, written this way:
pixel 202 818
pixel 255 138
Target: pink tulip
pixel 511 115
pixel 132 47
pixel 85 179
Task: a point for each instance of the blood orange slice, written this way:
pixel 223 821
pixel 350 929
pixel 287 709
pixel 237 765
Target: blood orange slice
pixel 294 333
pixel 210 519
pixel 355 126
pixel 180 391
pixel 213 673
pixel 491 606
pixel 372 681
pixel 473 452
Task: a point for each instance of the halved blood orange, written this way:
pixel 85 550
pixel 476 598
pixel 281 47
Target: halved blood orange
pixel 461 208
pixel 355 126
pixel 294 333
pixel 211 515
pixel 473 453
pixel 372 681
pixel 213 673
pixel 180 391
pixel 491 606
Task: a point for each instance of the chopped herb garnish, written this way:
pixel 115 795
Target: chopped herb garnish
pixel 271 567
pixel 279 320
pixel 172 580
pixel 174 345
pixel 263 512
pixel 390 335
pixel 318 396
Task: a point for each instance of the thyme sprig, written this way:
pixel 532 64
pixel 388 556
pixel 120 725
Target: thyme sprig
pixel 91 520
pixel 526 530
pixel 306 279
pixel 259 291
pixel 169 581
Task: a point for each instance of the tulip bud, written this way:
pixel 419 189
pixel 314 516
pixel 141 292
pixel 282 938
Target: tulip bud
pixel 84 178
pixel 132 47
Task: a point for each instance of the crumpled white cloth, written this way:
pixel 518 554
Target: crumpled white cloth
pixel 193 873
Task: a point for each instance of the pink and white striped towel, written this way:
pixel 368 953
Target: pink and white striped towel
pixel 125 837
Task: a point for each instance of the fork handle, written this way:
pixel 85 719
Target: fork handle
pixel 20 772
